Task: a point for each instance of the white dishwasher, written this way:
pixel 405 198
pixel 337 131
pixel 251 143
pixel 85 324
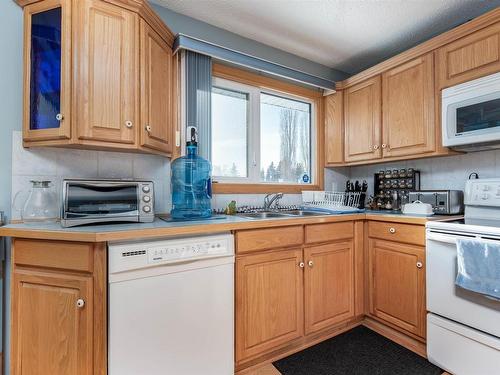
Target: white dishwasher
pixel 171 306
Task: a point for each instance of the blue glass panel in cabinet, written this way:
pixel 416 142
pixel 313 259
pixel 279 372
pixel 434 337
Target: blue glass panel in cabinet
pixel 45 74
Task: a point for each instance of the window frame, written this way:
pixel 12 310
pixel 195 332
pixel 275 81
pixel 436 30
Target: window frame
pixel 244 81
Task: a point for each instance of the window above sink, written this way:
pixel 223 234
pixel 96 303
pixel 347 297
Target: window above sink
pixel 264 134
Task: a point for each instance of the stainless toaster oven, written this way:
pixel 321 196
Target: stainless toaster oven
pixel 444 202
pixel 105 201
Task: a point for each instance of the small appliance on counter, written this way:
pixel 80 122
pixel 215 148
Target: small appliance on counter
pixel 106 201
pixel 443 202
pixel 191 183
pixel 392 188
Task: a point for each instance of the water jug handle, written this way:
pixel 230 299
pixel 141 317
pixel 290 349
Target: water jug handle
pixel 209 187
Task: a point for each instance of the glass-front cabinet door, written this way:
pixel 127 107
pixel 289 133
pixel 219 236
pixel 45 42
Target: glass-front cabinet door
pixel 47 49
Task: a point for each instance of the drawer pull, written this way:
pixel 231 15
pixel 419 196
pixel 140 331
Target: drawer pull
pixel 392 230
pixel 419 265
pixel 310 263
pixel 80 303
pixel 128 124
pixel 375 147
pixel 301 264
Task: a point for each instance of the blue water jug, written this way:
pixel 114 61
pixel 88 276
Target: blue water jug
pixel 191 183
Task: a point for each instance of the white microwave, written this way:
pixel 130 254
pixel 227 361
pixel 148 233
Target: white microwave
pixel 470 116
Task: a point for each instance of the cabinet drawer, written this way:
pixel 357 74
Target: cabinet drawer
pixel 408 233
pixel 263 239
pixel 316 233
pixel 76 256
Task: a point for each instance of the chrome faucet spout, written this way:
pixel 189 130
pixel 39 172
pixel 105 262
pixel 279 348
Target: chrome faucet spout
pixel 269 199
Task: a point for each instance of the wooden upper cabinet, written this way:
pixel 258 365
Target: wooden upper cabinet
pixel 328 284
pixel 408 108
pixel 334 129
pixel 106 80
pixel 397 284
pixel 98 74
pixel 269 302
pixel 51 334
pixel 362 120
pixel 470 57
pixel 47 71
pixel 156 91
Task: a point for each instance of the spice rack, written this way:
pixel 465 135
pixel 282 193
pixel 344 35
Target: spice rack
pixel 401 181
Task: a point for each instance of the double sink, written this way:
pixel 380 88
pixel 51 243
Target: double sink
pixel 281 214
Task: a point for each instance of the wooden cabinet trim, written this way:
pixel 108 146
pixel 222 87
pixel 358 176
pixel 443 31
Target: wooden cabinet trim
pixel 398 232
pixel 327 232
pixel 75 256
pixel 445 38
pixel 264 239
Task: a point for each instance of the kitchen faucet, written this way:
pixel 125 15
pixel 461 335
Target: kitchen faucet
pixel 269 199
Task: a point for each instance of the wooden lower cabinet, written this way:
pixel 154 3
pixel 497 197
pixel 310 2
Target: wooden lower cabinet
pixel 329 284
pixel 397 284
pixel 269 301
pixel 58 312
pixel 289 297
pixel 51 333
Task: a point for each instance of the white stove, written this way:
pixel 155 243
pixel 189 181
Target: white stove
pixel 463 327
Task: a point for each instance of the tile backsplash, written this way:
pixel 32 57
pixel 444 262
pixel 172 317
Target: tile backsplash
pixel 55 164
pixel 448 172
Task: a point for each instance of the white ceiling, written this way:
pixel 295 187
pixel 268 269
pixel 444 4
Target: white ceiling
pixel 349 35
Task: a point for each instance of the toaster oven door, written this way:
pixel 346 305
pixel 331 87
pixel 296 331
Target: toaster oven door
pixel 86 202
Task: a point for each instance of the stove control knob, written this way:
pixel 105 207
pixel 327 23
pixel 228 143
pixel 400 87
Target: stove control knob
pixel 146 198
pixel 486 188
pixel 146 209
pixel 146 189
pixel 485 197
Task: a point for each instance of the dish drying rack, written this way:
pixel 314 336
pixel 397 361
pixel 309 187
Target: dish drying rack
pixel 333 201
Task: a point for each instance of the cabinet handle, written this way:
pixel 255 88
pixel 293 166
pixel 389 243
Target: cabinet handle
pixel 59 117
pixel 80 303
pixel 148 128
pixel 392 230
pixel 375 147
pixel 128 124
pixel 384 145
pixel 419 265
pixel 310 263
pixel 301 264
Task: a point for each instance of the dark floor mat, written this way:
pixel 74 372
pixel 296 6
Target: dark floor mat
pixel 359 351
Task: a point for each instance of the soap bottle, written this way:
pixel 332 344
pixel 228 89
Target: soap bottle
pixel 191 183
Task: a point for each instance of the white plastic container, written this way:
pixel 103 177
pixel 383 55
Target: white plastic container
pixel 417 208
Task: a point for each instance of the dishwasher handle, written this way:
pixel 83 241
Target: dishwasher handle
pixel 445 237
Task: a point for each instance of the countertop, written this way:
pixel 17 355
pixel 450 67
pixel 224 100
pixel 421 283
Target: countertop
pixel 160 228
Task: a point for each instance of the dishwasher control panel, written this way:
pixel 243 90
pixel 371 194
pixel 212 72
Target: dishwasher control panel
pixel 135 255
pixel 193 249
